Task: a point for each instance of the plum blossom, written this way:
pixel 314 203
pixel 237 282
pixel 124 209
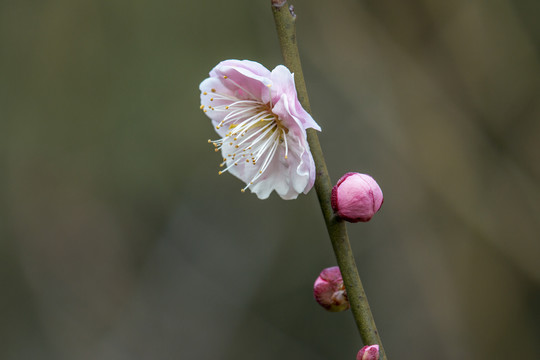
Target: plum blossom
pixel 262 126
pixel 356 197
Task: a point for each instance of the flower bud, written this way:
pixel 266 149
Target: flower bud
pixel 329 290
pixel 356 197
pixel 369 352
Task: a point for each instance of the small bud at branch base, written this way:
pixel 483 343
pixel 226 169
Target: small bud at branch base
pixel 368 352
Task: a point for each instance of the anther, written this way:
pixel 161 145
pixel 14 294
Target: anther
pixel 213 90
pixel 202 107
pixel 204 93
pixel 211 99
pixel 225 76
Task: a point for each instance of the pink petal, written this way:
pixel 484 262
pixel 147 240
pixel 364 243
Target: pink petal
pixel 247 79
pixel 283 83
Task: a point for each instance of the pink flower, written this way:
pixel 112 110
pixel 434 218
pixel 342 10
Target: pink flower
pixel 329 290
pixel 262 127
pixel 369 352
pixel 356 197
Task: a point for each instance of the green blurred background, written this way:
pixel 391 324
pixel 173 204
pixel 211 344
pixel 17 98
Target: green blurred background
pixel 118 240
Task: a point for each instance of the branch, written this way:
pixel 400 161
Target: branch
pixel 284 18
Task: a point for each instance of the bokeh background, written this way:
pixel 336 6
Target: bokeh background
pixel 118 240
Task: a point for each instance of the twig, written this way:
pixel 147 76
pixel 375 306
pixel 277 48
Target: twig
pixel 284 18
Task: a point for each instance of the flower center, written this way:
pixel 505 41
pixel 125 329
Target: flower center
pixel 254 134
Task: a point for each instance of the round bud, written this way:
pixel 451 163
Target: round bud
pixel 356 197
pixel 329 290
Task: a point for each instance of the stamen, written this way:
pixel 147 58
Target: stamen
pixel 266 163
pixel 285 141
pixel 255 133
pixel 227 168
pixel 252 126
pixel 270 95
pixel 263 147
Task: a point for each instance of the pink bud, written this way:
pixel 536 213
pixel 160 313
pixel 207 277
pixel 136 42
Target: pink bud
pixel 369 352
pixel 356 197
pixel 329 290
